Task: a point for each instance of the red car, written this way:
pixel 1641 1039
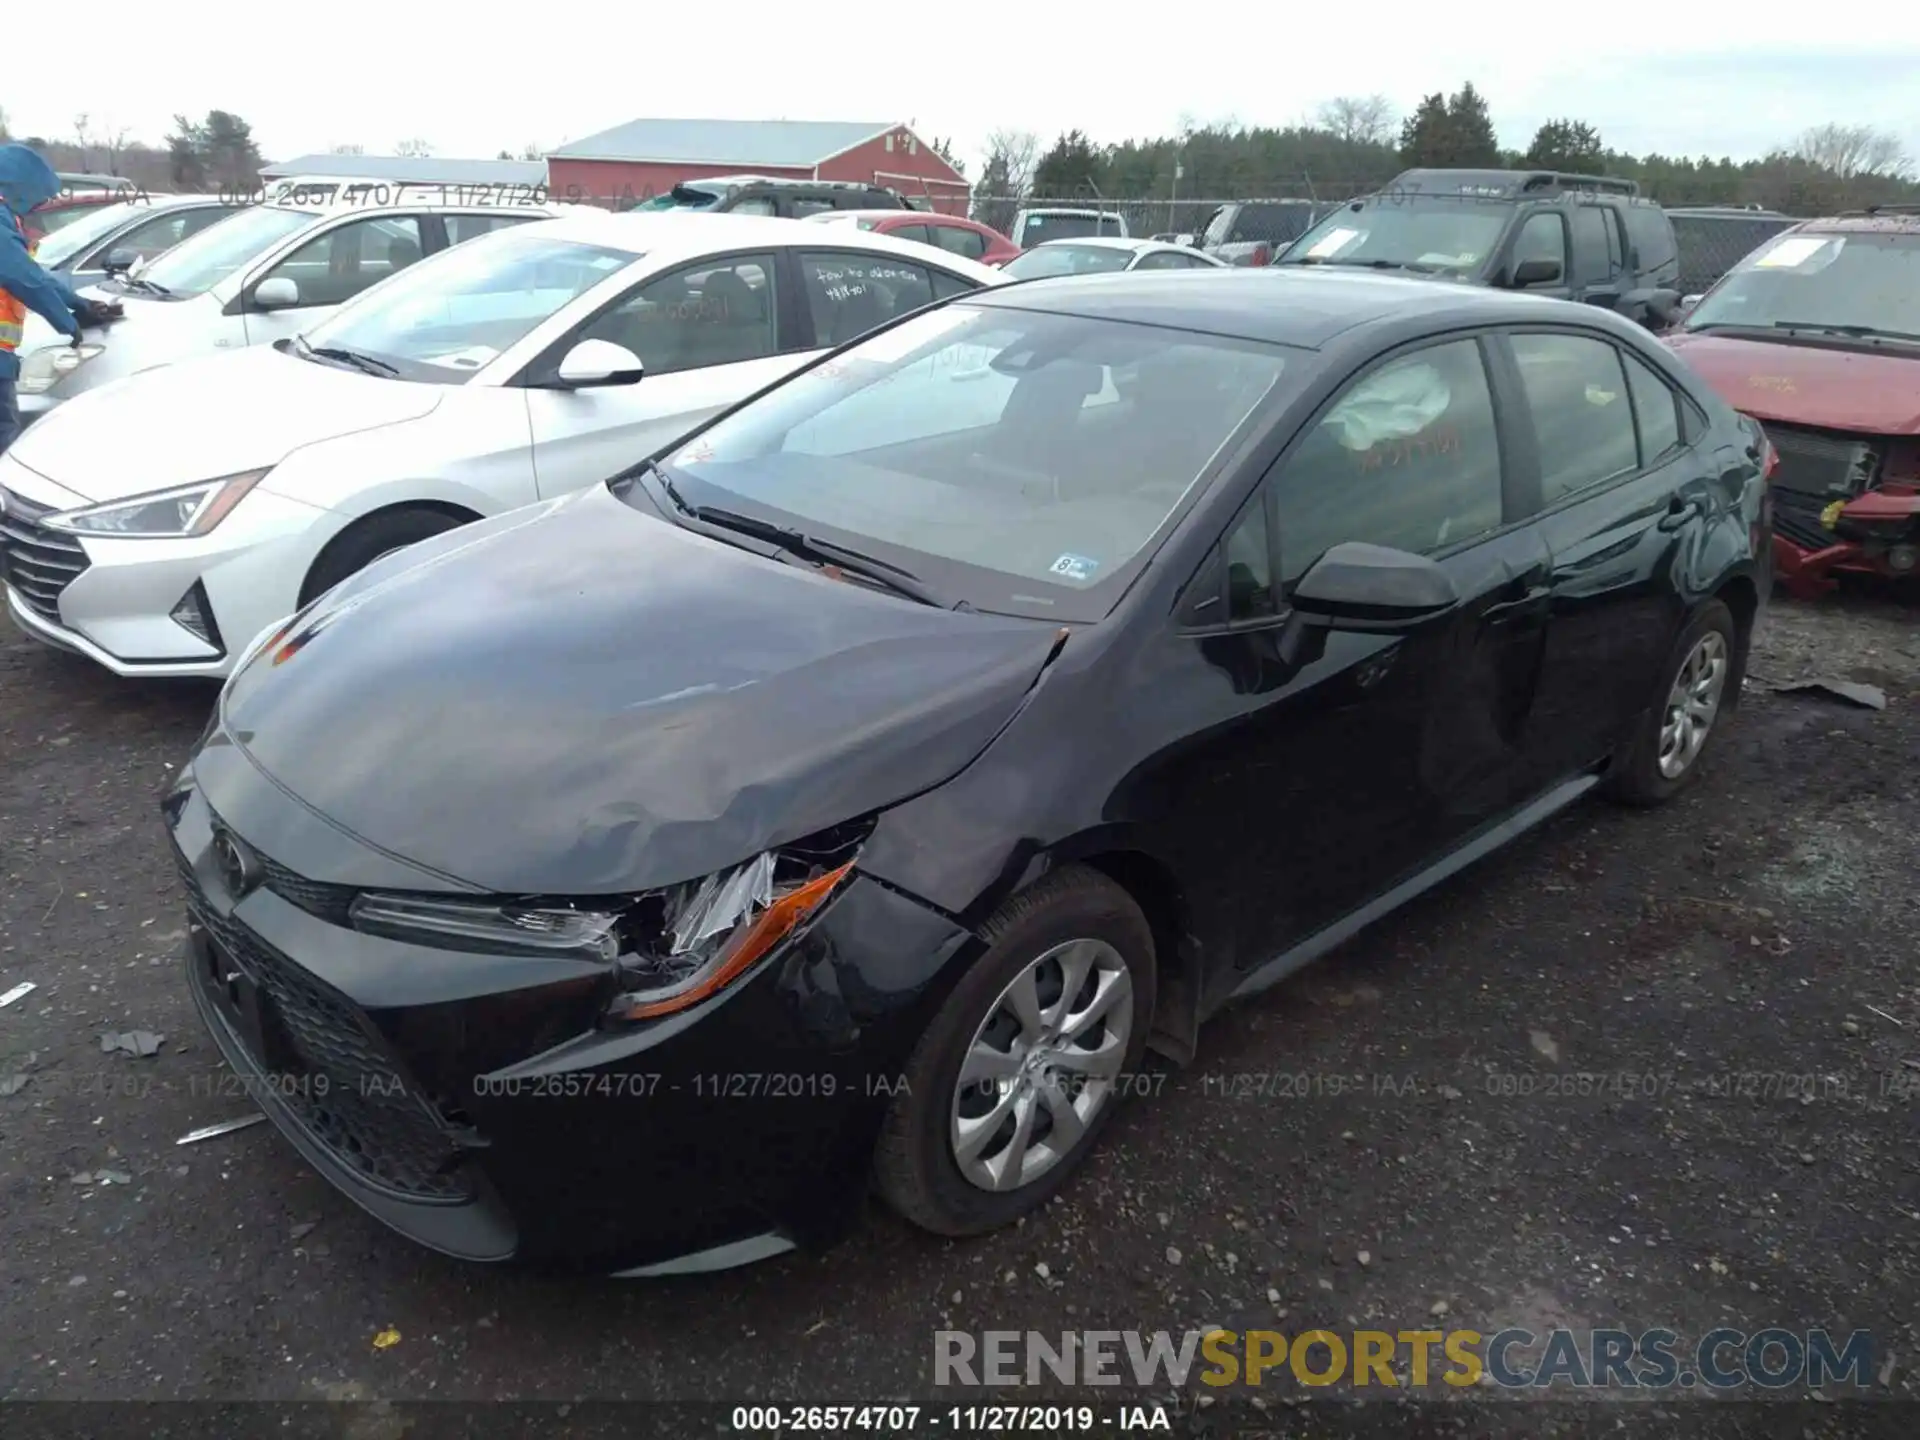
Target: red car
pixel 79 194
pixel 1816 335
pixel 946 232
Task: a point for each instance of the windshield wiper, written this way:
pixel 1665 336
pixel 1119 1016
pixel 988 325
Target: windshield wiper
pixel 1862 332
pixel 137 282
pixel 806 547
pixel 822 552
pixel 341 355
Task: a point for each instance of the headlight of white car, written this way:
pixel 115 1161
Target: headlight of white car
pixel 189 510
pixel 47 367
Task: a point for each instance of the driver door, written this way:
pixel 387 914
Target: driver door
pixel 708 334
pixel 1329 778
pixel 332 267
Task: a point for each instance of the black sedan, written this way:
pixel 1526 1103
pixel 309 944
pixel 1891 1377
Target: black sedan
pixel 851 795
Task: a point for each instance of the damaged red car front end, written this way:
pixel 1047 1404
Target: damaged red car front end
pixel 1816 335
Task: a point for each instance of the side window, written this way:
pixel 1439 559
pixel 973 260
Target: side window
pixel 911 232
pixel 960 240
pixel 946 286
pixel 1581 415
pixel 1616 247
pixel 1543 237
pixel 163 232
pixel 1250 564
pixel 1656 410
pixel 1590 249
pixel 1161 260
pixel 466 227
pixel 850 294
pixel 803 208
pixel 757 205
pixel 1650 236
pixel 349 258
pixel 710 313
pixel 1408 456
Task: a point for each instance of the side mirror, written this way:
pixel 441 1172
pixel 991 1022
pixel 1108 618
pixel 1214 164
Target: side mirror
pixel 593 363
pixel 1374 589
pixel 120 261
pixel 1536 272
pixel 1687 302
pixel 276 293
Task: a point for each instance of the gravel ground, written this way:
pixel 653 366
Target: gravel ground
pixel 1745 954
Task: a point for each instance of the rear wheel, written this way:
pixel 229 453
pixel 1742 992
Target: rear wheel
pixel 371 539
pixel 1023 1065
pixel 1692 697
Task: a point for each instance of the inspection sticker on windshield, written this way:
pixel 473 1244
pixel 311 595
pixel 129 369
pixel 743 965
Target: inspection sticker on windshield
pixel 1074 567
pixel 1332 243
pixel 1791 252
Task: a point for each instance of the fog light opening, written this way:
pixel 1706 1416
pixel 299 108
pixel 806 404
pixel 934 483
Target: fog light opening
pixel 194 614
pixel 1903 559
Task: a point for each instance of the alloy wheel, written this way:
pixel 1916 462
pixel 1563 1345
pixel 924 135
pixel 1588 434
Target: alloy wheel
pixel 1042 1065
pixel 1693 704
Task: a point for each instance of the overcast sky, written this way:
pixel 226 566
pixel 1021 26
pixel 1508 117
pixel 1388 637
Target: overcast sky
pixel 1736 79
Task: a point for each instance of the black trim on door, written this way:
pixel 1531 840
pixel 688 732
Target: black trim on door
pixel 433 234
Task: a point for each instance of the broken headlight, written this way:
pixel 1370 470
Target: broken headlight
pixel 670 948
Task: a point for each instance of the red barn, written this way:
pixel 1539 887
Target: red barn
pixel 643 158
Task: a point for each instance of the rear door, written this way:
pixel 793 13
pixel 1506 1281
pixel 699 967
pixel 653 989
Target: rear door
pixel 708 334
pixel 1623 492
pixel 1599 254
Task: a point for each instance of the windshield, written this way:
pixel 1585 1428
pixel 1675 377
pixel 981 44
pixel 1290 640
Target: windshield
pixel 1859 281
pixel 1041 228
pixel 1021 461
pixel 1059 259
pixel 1427 234
pixel 684 197
pixel 93 222
pixel 202 261
pixel 443 319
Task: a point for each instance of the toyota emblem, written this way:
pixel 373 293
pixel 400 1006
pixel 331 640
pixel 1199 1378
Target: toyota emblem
pixel 237 865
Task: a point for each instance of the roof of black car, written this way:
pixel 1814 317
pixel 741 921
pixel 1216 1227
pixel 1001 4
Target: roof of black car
pixel 1302 306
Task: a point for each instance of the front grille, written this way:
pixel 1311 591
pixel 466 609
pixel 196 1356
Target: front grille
pixel 328 902
pixel 1797 518
pixel 1832 467
pixel 36 561
pixel 369 1117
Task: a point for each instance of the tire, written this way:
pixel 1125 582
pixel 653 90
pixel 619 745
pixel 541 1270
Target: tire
pixel 1664 755
pixel 1074 916
pixel 366 541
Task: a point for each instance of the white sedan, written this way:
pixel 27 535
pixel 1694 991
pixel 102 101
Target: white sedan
pixel 159 523
pixel 1098 254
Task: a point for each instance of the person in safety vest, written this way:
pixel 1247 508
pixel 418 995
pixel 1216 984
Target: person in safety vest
pixel 28 181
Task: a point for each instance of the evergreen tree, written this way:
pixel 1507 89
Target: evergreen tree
pixel 1069 168
pixel 1567 145
pixel 1426 136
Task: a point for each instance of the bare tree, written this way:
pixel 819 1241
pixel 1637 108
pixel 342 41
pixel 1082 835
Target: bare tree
pixel 532 152
pixel 413 149
pixel 1854 150
pixel 1360 119
pixel 83 138
pixel 346 150
pixel 1011 158
pixel 5 133
pixel 115 142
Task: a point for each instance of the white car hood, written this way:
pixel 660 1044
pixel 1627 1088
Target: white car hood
pixel 207 417
pixel 152 332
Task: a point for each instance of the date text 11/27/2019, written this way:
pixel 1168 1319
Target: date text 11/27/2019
pixel 958 1419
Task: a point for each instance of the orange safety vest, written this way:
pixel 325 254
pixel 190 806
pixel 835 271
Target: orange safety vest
pixel 13 311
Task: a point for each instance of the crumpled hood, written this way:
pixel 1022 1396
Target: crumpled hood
pixel 581 699
pixel 220 414
pixel 1873 392
pixel 26 180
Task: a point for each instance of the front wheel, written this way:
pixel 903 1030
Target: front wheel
pixel 1689 703
pixel 1023 1065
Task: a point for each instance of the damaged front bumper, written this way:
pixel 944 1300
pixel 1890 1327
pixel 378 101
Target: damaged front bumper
pixel 484 1106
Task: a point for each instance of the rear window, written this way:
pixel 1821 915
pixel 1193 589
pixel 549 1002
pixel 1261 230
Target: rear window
pixel 1650 234
pixel 1041 228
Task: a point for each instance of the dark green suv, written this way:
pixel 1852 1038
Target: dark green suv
pixel 1577 237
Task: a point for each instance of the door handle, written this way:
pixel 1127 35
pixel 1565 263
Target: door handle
pixel 1680 510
